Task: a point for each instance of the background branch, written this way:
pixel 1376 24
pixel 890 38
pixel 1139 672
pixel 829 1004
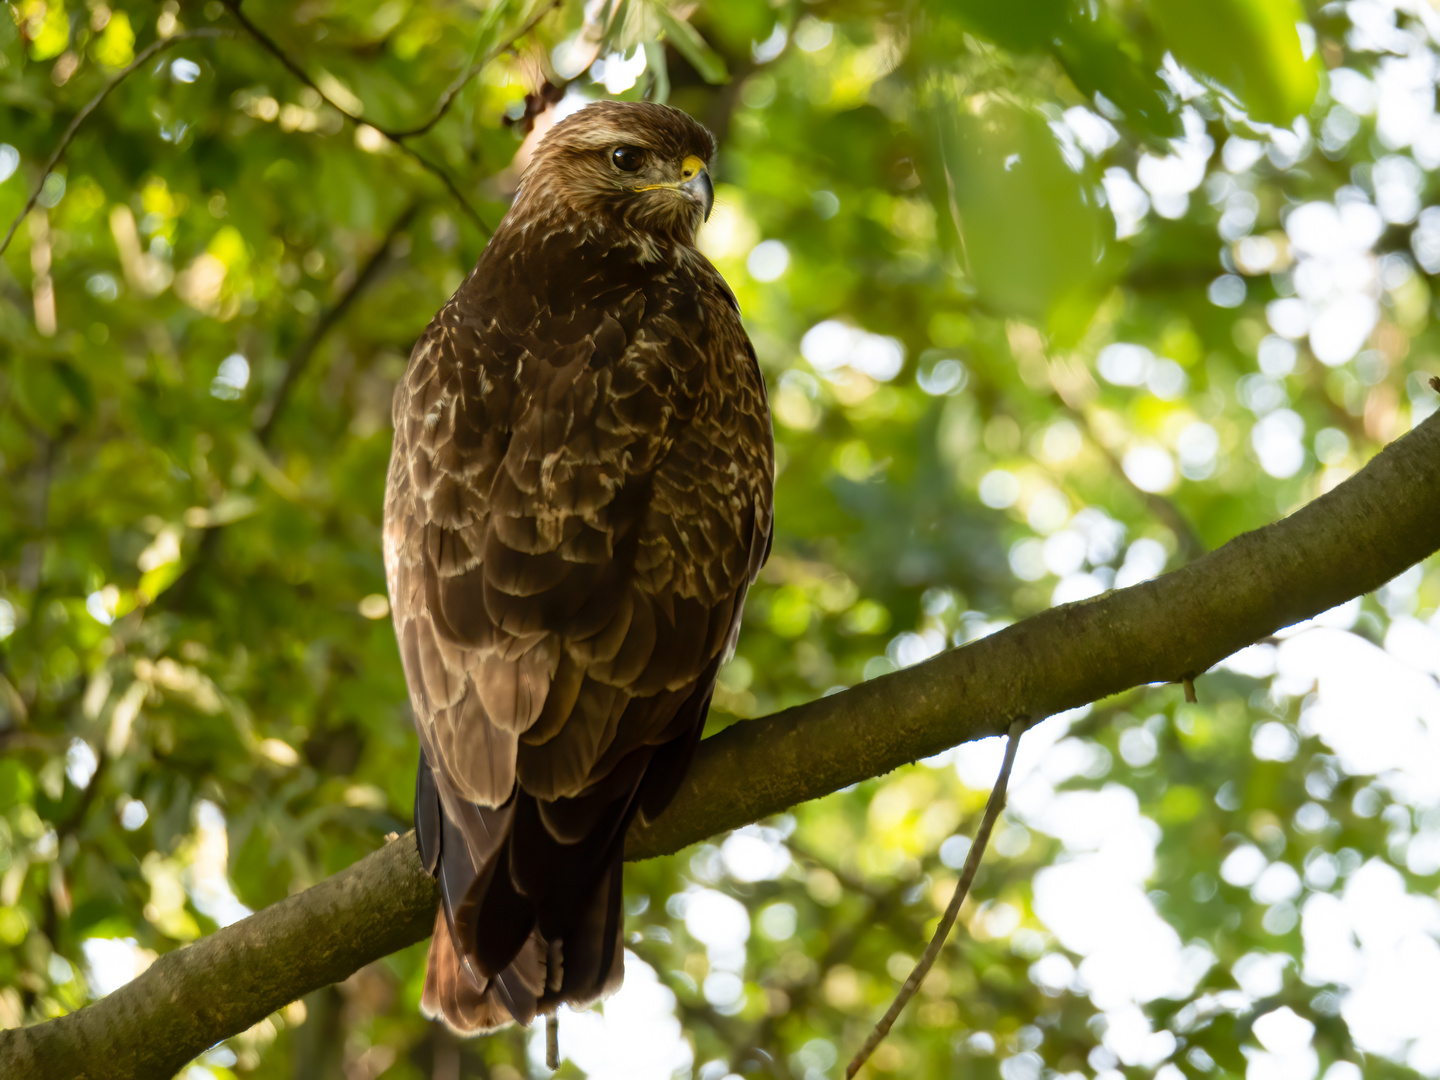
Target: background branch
pixel 269 412
pixel 453 90
pixel 927 959
pixel 300 359
pixel 94 103
pixel 1347 542
pixel 398 136
pixel 269 45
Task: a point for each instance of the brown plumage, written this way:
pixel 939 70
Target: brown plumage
pixel 579 497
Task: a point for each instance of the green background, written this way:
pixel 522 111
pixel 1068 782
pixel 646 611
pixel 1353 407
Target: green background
pixel 191 591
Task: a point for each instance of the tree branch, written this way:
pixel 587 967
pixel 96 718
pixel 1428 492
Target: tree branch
pixel 269 45
pixel 399 136
pixel 453 90
pixel 269 412
pixel 300 359
pixel 94 103
pixel 1345 543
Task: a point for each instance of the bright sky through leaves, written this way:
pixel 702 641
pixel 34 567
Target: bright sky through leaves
pixel 1046 305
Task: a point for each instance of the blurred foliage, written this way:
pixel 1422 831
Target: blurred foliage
pixel 1032 285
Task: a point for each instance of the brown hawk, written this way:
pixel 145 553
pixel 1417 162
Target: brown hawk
pixel 579 497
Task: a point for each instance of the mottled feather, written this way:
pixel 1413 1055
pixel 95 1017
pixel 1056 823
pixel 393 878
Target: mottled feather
pixel 579 497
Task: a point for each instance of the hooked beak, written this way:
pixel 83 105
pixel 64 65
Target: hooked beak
pixel 701 190
pixel 695 183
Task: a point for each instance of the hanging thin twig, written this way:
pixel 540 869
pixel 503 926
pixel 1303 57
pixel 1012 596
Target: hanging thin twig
pixel 295 366
pixel 453 90
pixel 398 136
pixel 962 888
pixel 552 1041
pixel 269 45
pixel 94 103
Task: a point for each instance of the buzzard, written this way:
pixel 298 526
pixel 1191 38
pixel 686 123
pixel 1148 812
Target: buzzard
pixel 579 496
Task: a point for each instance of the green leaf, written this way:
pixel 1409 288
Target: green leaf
pixel 658 71
pixel 1096 51
pixel 1222 1042
pixel 16 784
pixel 9 35
pixel 261 876
pixel 1100 58
pixel 76 384
pixel 692 46
pixel 1250 48
pixel 1028 27
pixel 1031 233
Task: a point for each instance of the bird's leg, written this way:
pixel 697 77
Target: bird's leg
pixel 552 1041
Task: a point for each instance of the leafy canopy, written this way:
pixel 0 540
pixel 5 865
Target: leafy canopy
pixel 1050 296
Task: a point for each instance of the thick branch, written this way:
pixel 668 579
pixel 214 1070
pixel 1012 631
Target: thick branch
pixel 191 998
pixel 1378 523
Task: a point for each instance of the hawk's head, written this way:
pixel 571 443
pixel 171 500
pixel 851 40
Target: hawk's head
pixel 628 163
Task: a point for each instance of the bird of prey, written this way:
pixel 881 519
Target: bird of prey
pixel 579 496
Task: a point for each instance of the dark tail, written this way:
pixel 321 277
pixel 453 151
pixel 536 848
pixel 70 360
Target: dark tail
pixel 530 913
pixel 526 921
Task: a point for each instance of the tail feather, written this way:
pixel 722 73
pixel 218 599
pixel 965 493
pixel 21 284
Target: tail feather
pixel 531 914
pixel 490 963
pixel 452 995
pixel 594 953
pixel 427 817
pixel 522 985
pixel 504 921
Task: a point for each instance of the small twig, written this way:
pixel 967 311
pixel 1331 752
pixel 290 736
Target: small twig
pixel 264 428
pixel 453 90
pixel 233 6
pixel 398 136
pixel 94 103
pixel 1188 682
pixel 269 45
pixel 444 177
pixel 552 1041
pixel 300 359
pixel 962 888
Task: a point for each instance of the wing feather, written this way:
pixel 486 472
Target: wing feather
pixel 579 499
pixel 476 755
pixel 512 692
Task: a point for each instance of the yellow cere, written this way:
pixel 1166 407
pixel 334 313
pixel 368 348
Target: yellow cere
pixel 691 167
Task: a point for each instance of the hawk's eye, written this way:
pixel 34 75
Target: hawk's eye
pixel 628 158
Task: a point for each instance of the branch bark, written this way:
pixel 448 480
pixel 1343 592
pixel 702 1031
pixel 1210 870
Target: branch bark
pixel 1348 542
